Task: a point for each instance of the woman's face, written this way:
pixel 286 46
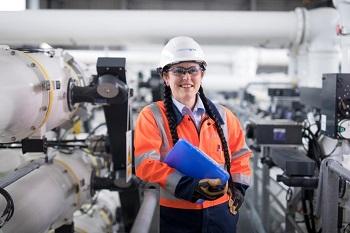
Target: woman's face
pixel 184 80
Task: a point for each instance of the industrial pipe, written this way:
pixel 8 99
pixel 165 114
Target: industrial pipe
pixel 18 173
pixel 343 7
pixel 47 197
pixel 321 45
pixel 34 89
pixel 123 27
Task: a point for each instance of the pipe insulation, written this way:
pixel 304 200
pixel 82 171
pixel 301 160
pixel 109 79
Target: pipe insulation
pixel 343 7
pixel 299 29
pixel 319 51
pixel 47 197
pixel 123 27
pixel 222 55
pixel 34 91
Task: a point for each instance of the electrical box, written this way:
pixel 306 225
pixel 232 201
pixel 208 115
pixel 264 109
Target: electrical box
pixel 311 97
pixel 283 92
pixel 335 110
pixel 275 132
pixel 292 161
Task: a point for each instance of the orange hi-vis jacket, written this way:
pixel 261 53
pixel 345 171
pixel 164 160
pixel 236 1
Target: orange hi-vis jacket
pixel 153 141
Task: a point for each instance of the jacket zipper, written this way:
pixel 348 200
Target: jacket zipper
pixel 201 124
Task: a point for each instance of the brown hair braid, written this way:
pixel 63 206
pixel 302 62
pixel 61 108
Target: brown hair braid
pixel 175 137
pixel 221 135
pixel 170 115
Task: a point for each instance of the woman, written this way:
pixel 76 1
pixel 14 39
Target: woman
pixel 187 113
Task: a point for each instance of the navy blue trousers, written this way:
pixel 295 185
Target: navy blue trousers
pixel 215 219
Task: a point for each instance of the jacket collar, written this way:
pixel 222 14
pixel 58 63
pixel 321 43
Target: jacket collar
pixel 179 116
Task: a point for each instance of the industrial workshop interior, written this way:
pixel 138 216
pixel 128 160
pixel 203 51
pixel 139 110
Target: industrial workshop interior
pixel 175 116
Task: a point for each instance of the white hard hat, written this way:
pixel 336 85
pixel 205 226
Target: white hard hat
pixel 179 49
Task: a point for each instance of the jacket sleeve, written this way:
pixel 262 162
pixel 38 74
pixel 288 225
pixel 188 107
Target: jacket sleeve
pixel 240 153
pixel 147 143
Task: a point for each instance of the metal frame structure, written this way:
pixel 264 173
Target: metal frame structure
pixel 331 171
pixel 147 219
pixel 262 188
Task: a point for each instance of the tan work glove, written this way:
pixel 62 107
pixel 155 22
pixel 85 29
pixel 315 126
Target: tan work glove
pixel 209 189
pixel 236 200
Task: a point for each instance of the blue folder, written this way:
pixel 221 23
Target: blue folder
pixel 191 161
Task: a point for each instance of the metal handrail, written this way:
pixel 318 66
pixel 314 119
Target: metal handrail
pixel 147 219
pixel 335 166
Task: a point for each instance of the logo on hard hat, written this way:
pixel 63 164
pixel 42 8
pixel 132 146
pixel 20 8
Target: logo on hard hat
pixel 187 49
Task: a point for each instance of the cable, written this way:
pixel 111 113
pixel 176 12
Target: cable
pixel 96 128
pixel 72 140
pixel 311 207
pixel 307 214
pixel 10 145
pixel 9 209
pixel 314 150
pixel 35 50
pixel 64 145
pixel 77 143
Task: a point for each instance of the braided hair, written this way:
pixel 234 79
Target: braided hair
pixel 175 137
pixel 170 114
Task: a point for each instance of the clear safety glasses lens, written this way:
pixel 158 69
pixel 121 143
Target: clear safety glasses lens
pixel 181 71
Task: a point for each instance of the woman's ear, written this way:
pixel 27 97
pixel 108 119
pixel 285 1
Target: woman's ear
pixel 203 73
pixel 165 79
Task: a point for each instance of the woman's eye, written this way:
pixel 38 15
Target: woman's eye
pixel 180 71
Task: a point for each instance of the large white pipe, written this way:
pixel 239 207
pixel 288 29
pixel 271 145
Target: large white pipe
pixel 343 7
pixel 226 65
pixel 34 90
pixel 10 159
pixel 215 55
pixel 319 51
pixel 323 45
pixel 47 197
pixel 274 29
pixel 121 27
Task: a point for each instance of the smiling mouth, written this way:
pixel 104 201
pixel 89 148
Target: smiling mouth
pixel 186 85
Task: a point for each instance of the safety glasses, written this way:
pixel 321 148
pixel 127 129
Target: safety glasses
pixel 181 71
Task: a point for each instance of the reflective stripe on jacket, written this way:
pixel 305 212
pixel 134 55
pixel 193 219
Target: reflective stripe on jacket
pixel 153 141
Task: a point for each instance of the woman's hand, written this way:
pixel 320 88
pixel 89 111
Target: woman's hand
pixel 192 189
pixel 209 189
pixel 236 200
